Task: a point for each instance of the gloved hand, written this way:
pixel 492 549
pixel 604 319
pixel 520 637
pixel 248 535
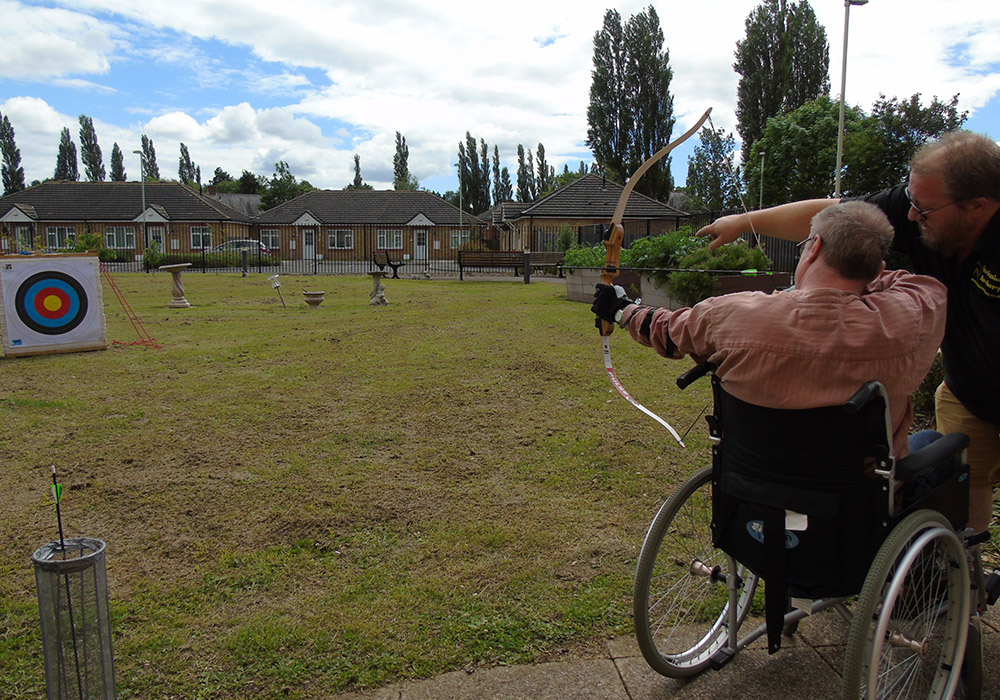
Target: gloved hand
pixel 609 301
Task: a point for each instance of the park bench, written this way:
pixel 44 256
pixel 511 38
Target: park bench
pixel 381 259
pixel 506 259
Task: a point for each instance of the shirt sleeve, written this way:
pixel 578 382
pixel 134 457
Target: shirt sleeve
pixel 673 334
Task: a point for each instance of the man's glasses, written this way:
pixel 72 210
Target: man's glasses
pixel 924 213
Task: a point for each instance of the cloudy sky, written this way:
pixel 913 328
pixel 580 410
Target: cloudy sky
pixel 312 82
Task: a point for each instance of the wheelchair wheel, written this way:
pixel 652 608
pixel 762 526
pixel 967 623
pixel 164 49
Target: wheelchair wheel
pixel 680 602
pixel 908 633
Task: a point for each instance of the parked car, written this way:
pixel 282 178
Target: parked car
pixel 239 244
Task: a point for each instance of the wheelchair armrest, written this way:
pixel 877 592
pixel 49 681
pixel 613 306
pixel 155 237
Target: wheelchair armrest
pixel 925 459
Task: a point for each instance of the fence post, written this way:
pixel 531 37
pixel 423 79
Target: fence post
pixel 527 265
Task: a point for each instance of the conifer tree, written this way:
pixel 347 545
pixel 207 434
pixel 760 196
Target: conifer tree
pixel 66 165
pixel 90 151
pixel 151 171
pixel 117 165
pixel 13 173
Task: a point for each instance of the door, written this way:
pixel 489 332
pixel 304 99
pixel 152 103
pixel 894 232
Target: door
pixel 308 243
pixel 420 244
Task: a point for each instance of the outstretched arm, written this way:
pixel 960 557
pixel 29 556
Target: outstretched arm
pixel 789 221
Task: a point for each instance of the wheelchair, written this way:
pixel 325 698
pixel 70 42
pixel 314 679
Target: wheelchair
pixel 814 504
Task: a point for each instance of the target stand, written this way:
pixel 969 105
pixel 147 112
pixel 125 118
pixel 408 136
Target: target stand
pixel 51 304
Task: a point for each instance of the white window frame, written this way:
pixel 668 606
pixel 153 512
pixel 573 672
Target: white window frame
pixel 459 237
pixel 24 238
pixel 389 238
pixel 158 234
pixel 271 237
pixel 199 234
pixel 340 238
pixel 60 236
pixel 119 237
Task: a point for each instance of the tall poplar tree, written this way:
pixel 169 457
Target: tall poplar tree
pixel 524 177
pixel 630 115
pixel 90 150
pixel 543 182
pixel 117 164
pixel 784 62
pixel 66 165
pixel 151 171
pixel 358 183
pixel 188 172
pixel 13 173
pixel 401 177
pixel 484 176
pixel 713 181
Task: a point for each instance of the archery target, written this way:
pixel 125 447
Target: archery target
pixel 51 304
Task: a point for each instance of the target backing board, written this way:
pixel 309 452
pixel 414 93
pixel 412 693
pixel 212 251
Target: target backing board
pixel 51 303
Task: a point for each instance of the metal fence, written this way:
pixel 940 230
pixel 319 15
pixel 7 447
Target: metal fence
pixel 431 252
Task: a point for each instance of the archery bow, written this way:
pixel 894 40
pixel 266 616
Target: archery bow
pixel 613 238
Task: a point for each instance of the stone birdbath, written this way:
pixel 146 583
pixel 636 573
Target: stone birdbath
pixel 178 302
pixel 377 295
pixel 313 299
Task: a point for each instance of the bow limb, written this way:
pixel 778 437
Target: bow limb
pixel 613 244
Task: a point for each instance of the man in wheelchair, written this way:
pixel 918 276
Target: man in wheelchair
pixel 812 411
pixel 846 321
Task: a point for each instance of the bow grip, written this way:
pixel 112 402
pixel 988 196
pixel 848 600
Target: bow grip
pixel 614 234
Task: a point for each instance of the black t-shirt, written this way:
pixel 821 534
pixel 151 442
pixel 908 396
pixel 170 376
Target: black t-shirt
pixel 971 346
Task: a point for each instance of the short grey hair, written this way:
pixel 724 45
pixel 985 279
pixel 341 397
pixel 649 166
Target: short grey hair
pixel 969 164
pixel 856 238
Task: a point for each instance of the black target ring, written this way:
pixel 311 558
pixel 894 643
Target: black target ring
pixel 51 303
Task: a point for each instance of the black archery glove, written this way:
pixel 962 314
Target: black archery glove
pixel 609 302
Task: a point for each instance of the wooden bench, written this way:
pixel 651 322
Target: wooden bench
pixel 380 258
pixel 506 259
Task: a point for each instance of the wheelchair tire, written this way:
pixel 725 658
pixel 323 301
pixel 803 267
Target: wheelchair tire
pixel 908 633
pixel 681 616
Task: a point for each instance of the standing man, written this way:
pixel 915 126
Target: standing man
pixel 947 221
pixel 846 322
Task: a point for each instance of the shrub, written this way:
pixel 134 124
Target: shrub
pixel 152 257
pixel 584 256
pixel 664 252
pixel 694 284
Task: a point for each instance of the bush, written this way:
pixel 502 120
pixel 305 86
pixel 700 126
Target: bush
pixel 693 285
pixel 109 255
pixel 664 252
pixel 152 258
pixel 584 256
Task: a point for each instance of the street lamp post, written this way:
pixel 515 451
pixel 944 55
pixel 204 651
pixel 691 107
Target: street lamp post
pixel 843 84
pixel 760 203
pixel 142 180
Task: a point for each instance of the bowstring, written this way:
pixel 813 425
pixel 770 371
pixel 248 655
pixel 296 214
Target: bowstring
pixel 739 193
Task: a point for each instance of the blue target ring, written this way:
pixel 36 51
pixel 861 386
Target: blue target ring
pixel 51 303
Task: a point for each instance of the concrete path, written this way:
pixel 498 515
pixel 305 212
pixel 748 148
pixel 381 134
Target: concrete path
pixel 807 667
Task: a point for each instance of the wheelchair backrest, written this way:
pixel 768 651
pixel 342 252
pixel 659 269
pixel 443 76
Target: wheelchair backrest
pixel 812 470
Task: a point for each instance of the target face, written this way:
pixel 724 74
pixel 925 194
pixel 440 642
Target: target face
pixel 51 303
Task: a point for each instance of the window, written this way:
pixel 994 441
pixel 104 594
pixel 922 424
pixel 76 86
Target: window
pixel 339 238
pixel 390 239
pixel 121 237
pixel 61 236
pixel 157 234
pixel 24 237
pixel 201 237
pixel 271 237
pixel 459 237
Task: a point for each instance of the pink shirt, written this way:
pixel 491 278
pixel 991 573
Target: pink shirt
pixel 810 348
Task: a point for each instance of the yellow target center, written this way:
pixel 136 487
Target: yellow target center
pixel 52 303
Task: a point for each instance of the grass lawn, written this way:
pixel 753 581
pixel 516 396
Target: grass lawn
pixel 301 501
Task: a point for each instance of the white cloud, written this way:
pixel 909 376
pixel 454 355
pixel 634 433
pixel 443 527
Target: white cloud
pixel 42 42
pixel 435 71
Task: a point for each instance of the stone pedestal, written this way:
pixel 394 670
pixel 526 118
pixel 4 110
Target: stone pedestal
pixel 314 299
pixel 178 302
pixel 377 295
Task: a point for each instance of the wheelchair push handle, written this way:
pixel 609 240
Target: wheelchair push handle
pixel 694 374
pixel 863 395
